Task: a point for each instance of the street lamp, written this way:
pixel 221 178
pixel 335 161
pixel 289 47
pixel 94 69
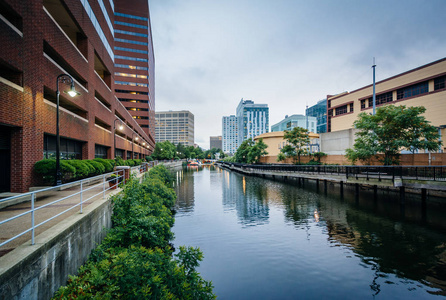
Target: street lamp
pixel 133 153
pixel 121 127
pixel 64 78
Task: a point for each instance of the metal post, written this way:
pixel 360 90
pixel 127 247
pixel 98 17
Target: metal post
pixel 32 218
pixel 374 94
pixel 81 196
pixel 103 193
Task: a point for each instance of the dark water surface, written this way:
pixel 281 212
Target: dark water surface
pixel 265 239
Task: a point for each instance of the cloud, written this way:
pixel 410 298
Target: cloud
pixel 286 53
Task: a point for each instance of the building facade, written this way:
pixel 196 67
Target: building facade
pixel 319 110
pixel 423 86
pixel 215 142
pixel 230 134
pixel 135 62
pixel 175 127
pixel 253 119
pixel 309 123
pixel 41 42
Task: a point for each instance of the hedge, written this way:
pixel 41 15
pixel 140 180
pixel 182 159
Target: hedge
pixel 136 260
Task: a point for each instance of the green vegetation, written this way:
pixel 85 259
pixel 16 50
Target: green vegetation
pixel 250 152
pixel 135 260
pixel 76 169
pixel 390 130
pixel 297 142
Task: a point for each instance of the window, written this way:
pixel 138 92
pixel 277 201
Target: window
pixel 131 42
pixel 69 149
pixel 131 25
pixel 383 98
pixel 341 110
pixel 131 50
pixel 100 151
pixel 131 58
pixel 119 152
pixel 131 92
pixel 351 107
pixel 363 104
pixel 413 90
pixel 130 33
pixel 131 16
pixel 130 67
pixel 131 83
pixel 439 83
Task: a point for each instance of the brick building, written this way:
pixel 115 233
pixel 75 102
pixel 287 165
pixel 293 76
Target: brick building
pixel 46 38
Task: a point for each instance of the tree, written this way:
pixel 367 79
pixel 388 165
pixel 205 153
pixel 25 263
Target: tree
pixel 164 150
pixel 181 149
pixel 390 130
pixel 257 151
pixel 241 155
pixel 297 142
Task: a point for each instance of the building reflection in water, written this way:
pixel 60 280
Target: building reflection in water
pixel 185 188
pixel 246 197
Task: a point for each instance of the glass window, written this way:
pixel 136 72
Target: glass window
pixel 413 90
pixel 440 83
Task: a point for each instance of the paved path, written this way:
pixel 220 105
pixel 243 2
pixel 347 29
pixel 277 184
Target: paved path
pixel 8 230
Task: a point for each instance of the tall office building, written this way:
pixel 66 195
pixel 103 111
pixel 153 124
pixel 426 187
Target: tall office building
pixel 307 122
pixel 253 119
pixel 215 142
pixel 319 110
pixel 48 45
pixel 175 127
pixel 230 130
pixel 134 62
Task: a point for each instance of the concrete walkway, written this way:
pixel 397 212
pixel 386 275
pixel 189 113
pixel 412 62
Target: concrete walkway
pixel 12 228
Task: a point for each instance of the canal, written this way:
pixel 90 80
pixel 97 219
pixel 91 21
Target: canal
pixel 265 239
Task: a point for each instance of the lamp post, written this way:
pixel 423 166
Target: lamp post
pixel 121 127
pixel 133 142
pixel 67 79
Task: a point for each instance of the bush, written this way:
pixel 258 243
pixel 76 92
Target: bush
pixel 82 169
pixel 137 162
pixel 135 259
pixel 47 168
pixel 99 168
pixel 161 172
pixel 119 161
pixel 129 162
pixel 108 167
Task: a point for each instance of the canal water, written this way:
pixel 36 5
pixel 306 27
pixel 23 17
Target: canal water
pixel 265 239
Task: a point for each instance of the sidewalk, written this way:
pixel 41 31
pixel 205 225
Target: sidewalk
pixel 23 223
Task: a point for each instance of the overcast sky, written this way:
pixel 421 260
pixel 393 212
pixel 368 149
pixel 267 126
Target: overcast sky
pixel 285 53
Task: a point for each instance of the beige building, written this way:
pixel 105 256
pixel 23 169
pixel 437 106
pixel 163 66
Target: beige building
pixel 423 86
pixel 275 142
pixel 175 127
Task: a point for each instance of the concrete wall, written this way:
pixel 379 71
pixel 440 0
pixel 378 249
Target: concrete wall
pixel 37 271
pixel 335 143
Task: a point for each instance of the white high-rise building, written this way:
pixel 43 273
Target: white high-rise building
pixel 253 119
pixel 230 139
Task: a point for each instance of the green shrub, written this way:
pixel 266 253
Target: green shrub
pixel 99 167
pixel 82 169
pixel 129 162
pixel 47 168
pixel 161 172
pixel 135 259
pixel 137 162
pixel 108 167
pixel 119 161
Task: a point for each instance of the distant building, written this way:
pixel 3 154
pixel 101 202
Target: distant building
pixel 319 111
pixel 230 129
pixel 253 119
pixel 292 121
pixel 175 127
pixel 215 142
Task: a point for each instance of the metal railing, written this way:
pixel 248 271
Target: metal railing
pixel 435 173
pixel 99 183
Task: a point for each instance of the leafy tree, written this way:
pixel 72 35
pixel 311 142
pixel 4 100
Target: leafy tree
pixel 164 150
pixel 298 140
pixel 257 151
pixel 241 155
pixel 390 130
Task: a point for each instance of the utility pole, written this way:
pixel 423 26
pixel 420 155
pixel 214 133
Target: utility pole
pixel 374 94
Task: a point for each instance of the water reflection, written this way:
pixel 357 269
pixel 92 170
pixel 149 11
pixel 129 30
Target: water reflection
pixel 248 200
pixel 185 188
pixel 306 243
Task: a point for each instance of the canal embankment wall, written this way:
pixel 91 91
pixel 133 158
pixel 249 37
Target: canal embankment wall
pixel 37 271
pixel 424 188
